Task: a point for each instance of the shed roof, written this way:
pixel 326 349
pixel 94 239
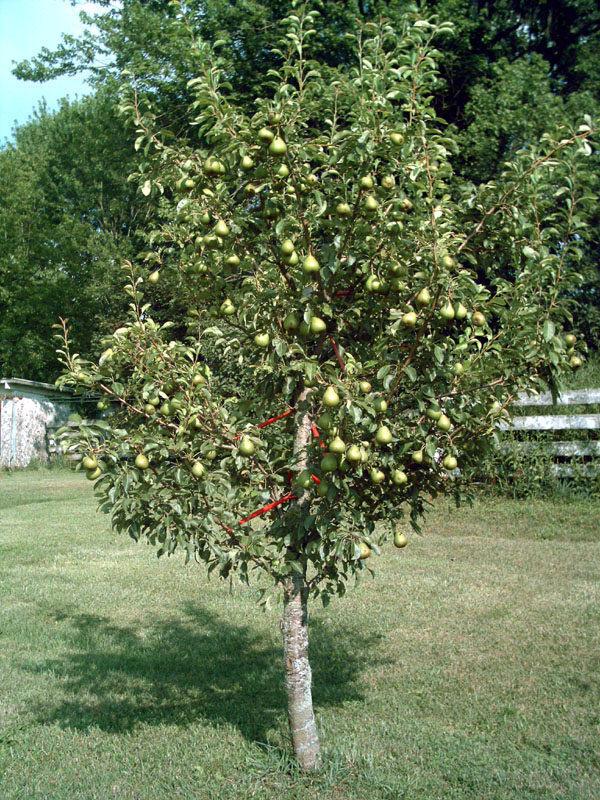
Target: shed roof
pixel 19 387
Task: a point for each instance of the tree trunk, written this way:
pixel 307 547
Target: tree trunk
pixel 294 624
pixel 294 627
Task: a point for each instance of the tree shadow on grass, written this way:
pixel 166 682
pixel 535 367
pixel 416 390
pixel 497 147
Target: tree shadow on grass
pixel 191 667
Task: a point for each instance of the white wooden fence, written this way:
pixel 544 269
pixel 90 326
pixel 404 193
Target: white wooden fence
pixel 561 422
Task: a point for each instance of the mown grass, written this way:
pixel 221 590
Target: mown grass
pixel 468 668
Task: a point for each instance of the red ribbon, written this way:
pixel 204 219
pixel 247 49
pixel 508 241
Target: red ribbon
pixel 289 496
pixel 268 422
pixel 266 508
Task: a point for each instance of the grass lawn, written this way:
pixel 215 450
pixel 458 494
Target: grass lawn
pixel 468 668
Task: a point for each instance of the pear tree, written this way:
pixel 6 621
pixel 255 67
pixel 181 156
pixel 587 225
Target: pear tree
pixel 380 316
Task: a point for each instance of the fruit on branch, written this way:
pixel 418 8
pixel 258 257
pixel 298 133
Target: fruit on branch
pixel 337 446
pixel 290 322
pixel 343 210
pixel 447 311
pixel 478 319
pixel 265 135
pixel 575 362
pixel 212 166
pixel 331 398
pixel 400 539
pixel 198 470
pixel 141 462
pixel 373 283
pixel 418 456
pixel 460 311
pixel 383 435
pixel 322 489
pixel 329 463
pixel 246 446
pixel 317 325
pixel 380 405
pixel 198 379
pixel 371 205
pixel 304 479
pixel 290 260
pixel 247 163
pixel 282 171
pixel 377 475
pixel 353 454
pixel 154 276
pixel 227 308
pixel 278 147
pixel 325 421
pixel 409 320
pixel 262 340
pixel 90 463
pixel 366 182
pixel 458 369
pixel 448 262
pixel 365 550
pixel 221 229
pixel 423 298
pixel 434 412
pixel 388 181
pixel 399 477
pixel 310 265
pixel 450 463
pixel 287 248
pixel 396 139
pixel 443 423
pixel 232 260
pixel 93 474
pixel 365 387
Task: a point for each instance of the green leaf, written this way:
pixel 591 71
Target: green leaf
pixel 548 330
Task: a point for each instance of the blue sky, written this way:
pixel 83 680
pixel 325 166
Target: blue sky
pixel 25 27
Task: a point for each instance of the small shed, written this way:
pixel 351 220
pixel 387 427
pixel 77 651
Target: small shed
pixel 30 413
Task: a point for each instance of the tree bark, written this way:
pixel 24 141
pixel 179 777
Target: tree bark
pixel 294 624
pixel 294 627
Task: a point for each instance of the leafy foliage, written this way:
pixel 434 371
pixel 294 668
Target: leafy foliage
pixel 66 219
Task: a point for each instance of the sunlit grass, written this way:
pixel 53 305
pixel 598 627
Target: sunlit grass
pixel 468 668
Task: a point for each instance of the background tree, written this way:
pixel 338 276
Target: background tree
pixel 506 63
pixel 67 218
pixel 383 319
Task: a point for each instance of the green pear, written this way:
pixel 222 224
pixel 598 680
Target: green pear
pixel 337 446
pixel 331 397
pixel 310 265
pixel 383 435
pixel 353 454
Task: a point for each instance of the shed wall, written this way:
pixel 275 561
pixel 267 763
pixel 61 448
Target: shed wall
pixel 24 424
